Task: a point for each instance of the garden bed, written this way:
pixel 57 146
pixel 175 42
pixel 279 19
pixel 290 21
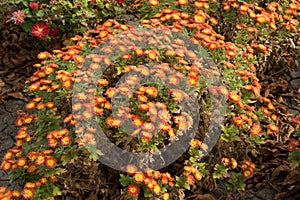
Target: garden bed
pixel 256 154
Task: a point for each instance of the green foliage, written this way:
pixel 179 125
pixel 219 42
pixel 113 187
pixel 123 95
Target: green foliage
pixel 230 134
pixel 220 171
pixel 236 182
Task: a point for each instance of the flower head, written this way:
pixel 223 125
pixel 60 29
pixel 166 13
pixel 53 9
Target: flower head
pixel 139 177
pixel 28 193
pixel 133 190
pixel 34 6
pixel 40 30
pixel 131 169
pixel 18 17
pixel 50 162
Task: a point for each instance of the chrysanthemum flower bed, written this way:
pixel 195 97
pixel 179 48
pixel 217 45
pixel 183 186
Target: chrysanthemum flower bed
pixel 136 84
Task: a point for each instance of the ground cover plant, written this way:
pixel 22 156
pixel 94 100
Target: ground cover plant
pixel 136 83
pixel 56 21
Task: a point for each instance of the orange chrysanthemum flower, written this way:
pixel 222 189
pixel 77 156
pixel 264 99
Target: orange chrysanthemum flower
pixel 152 55
pixel 65 141
pixel 67 83
pixel 238 121
pixel 16 194
pixel 173 80
pixel 190 180
pixel 234 98
pixel 200 18
pixel 34 87
pixel 192 81
pixel 21 162
pixel 43 55
pixel 273 128
pixel 142 98
pixel 139 177
pixel 151 91
pixel 102 82
pixel 248 172
pixel 133 190
pixel 156 189
pixel 148 126
pixel 131 169
pixel 126 57
pixel 28 193
pixel 30 106
pixel 183 2
pixel 50 105
pixel 40 159
pixel 6 166
pixel 231 53
pixel 255 130
pixel 111 92
pixel 178 95
pixel 143 107
pixel 31 169
pixel 50 162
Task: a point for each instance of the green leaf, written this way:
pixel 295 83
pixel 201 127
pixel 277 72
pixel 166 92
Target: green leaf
pixel 108 6
pixel 256 140
pixel 230 134
pixel 236 181
pixel 65 159
pixel 220 170
pixel 40 13
pixel 125 180
pixel 294 158
pixel 56 191
pixel 25 3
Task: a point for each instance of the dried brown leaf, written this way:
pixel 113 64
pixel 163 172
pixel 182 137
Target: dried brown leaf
pixel 2 84
pixel 18 95
pixel 293 177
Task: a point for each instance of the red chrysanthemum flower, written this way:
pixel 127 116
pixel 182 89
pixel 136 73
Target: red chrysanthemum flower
pixel 40 30
pixel 34 6
pixel 133 190
pixel 120 2
pixel 6 19
pixel 54 32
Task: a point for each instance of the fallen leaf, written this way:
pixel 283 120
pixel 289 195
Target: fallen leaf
pixel 201 197
pixel 18 95
pixel 292 177
pixel 293 120
pixel 2 84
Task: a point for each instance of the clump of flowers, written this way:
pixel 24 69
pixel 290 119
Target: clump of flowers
pixel 59 16
pixel 134 82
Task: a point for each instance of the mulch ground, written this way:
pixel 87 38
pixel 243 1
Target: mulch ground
pixel 273 178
